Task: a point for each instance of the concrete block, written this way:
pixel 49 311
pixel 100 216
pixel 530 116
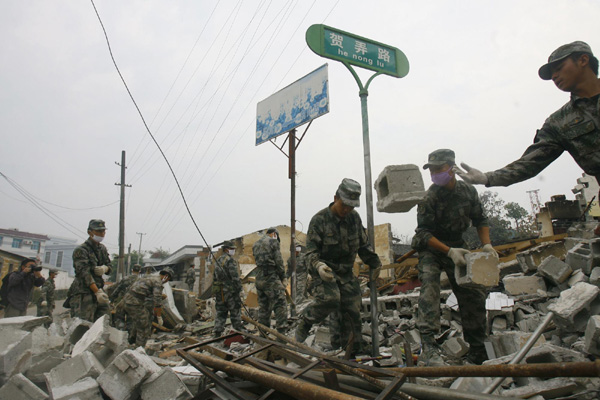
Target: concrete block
pixel 533 257
pixel 505 343
pixel 75 329
pixel 20 388
pixel 520 284
pixel 26 323
pixel 84 389
pixel 43 363
pixel 580 257
pixel 399 188
pixel 15 352
pixel 123 378
pixel 595 277
pixel 555 270
pixel 193 379
pixel 575 306
pixel 592 336
pixel 509 267
pixel 582 230
pixel 165 384
pixel 577 277
pixel 72 370
pixel 571 242
pixel 104 341
pixel 455 347
pixel 481 271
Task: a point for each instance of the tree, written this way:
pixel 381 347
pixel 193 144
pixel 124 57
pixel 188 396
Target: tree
pixel 500 229
pixel 160 253
pixel 523 220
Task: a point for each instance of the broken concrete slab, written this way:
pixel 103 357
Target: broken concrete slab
pixel 84 389
pixel 15 352
pixel 20 388
pixel 509 342
pixel 533 257
pixel 577 277
pixel 509 268
pixel 193 379
pixel 592 336
pixel 517 284
pixel 595 277
pixel 555 270
pixel 480 272
pixel 72 370
pixel 185 301
pixel 42 341
pixel 165 384
pixel 169 303
pixel 574 307
pixel 122 379
pixel 25 323
pixel 455 347
pixel 549 389
pixel 399 188
pixel 104 341
pixel 43 363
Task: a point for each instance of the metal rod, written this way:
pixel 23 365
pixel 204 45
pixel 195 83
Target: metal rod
pixel 292 176
pixel 524 350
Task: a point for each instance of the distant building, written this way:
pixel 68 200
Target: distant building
pixel 22 243
pixel 59 254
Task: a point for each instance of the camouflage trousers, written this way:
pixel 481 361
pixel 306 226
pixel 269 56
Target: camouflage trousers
pixel 86 307
pixel 301 278
pixel 271 298
pixel 227 303
pixel 190 285
pixel 43 311
pixel 141 314
pixel 11 311
pixel 344 300
pixel 471 302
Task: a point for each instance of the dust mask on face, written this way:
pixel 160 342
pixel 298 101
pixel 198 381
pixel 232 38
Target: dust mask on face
pixel 97 239
pixel 231 252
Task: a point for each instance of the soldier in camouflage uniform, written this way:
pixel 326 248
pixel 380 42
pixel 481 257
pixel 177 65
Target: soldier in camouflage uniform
pixel 270 280
pixel 449 208
pixel 190 278
pixel 90 260
pixel 142 301
pixel 335 236
pixel 116 294
pixel 301 275
pixel 575 127
pixel 45 303
pixel 227 289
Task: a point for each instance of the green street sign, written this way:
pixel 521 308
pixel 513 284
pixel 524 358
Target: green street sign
pixel 342 46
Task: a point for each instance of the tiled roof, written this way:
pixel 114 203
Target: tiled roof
pixel 21 234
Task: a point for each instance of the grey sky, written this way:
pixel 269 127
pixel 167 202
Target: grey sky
pixel 197 70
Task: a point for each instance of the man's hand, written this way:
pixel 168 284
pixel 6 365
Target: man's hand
pixel 102 297
pixel 100 270
pixel 376 272
pixel 44 303
pixel 488 248
pixel 325 272
pixel 472 175
pixel 458 256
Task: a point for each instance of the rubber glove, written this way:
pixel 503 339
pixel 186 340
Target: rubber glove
pixel 44 303
pixel 472 175
pixel 458 256
pixel 160 320
pixel 100 270
pixel 488 248
pixel 325 272
pixel 102 297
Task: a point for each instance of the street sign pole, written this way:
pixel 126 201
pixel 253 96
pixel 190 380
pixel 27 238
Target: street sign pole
pixel 350 50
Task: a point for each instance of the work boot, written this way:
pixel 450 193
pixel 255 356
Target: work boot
pixel 431 356
pixel 301 332
pixel 477 355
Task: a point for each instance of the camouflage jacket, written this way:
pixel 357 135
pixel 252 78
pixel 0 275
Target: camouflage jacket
pixel 122 287
pixel 47 293
pixel 146 290
pixel 85 257
pixel 268 257
pixel 226 276
pixel 574 128
pixel 336 242
pixel 190 276
pixel 446 215
pixel 300 265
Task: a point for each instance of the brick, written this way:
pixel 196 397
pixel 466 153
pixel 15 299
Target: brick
pixel 399 188
pixel 20 388
pixel 575 306
pixel 165 384
pixel 481 271
pixel 533 257
pixel 84 389
pixel 520 284
pixel 82 366
pixel 592 336
pixel 580 257
pixel 122 379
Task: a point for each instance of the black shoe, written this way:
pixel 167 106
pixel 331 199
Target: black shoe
pixel 477 356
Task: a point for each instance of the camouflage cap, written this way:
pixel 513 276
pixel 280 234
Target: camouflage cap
pixel 53 271
pixel 167 271
pixel 440 157
pixel 228 244
pixel 349 191
pixel 545 71
pixel 136 268
pixel 272 230
pixel 96 225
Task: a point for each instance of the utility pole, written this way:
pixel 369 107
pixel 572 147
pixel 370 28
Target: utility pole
pixel 140 248
pixel 129 260
pixel 120 268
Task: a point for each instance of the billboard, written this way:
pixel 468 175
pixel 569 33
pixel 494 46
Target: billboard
pixel 294 105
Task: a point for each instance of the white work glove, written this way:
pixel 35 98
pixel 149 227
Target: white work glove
pixel 159 320
pixel 458 256
pixel 325 272
pixel 376 272
pixel 472 175
pixel 100 270
pixel 488 248
pixel 102 297
pixel 44 303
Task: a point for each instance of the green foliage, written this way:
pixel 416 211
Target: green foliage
pixel 136 258
pixel 160 253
